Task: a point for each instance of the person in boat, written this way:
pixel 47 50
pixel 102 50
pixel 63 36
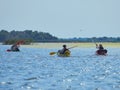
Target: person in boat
pixel 100 47
pixel 15 47
pixel 63 50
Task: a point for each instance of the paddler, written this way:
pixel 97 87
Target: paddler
pixel 15 47
pixel 63 50
pixel 100 46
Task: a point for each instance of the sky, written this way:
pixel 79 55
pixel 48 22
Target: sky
pixel 62 18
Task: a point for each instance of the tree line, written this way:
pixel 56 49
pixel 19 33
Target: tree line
pixel 93 39
pixel 27 35
pixel 34 36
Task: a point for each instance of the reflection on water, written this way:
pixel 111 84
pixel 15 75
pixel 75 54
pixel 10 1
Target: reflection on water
pixel 34 69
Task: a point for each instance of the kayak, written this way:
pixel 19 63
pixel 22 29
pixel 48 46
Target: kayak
pixel 9 50
pixel 66 54
pixel 101 52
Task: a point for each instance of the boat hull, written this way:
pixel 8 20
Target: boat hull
pixel 66 54
pixel 8 50
pixel 101 52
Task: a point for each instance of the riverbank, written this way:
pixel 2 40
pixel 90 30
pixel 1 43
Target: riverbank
pixel 59 45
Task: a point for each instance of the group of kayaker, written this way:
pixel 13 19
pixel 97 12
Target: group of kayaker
pixel 100 51
pixel 64 51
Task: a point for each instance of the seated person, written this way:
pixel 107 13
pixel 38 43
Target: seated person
pixel 100 47
pixel 15 47
pixel 63 50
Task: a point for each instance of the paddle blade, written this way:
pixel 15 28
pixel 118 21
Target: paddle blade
pixel 52 53
pixel 20 42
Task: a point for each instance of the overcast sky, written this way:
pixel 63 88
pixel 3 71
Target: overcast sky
pixel 62 18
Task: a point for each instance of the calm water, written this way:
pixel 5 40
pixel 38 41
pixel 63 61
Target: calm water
pixel 35 69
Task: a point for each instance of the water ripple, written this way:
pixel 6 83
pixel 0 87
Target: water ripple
pixel 34 69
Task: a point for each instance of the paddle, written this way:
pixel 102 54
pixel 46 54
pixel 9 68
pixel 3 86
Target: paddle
pixel 52 53
pixel 94 42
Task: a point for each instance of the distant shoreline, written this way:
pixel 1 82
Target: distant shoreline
pixel 70 44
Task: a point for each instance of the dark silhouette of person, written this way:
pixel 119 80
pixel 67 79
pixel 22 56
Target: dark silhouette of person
pixel 100 47
pixel 15 47
pixel 63 50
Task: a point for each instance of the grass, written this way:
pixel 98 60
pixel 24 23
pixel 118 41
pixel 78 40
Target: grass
pixel 59 45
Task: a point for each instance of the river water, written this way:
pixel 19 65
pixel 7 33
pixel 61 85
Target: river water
pixel 35 69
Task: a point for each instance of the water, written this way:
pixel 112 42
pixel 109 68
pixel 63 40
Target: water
pixel 35 69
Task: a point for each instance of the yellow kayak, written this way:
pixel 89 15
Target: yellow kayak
pixel 66 54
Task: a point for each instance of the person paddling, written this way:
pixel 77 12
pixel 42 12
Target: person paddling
pixel 15 47
pixel 100 47
pixel 101 50
pixel 63 50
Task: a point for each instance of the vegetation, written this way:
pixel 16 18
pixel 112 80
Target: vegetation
pixel 29 36
pixel 13 41
pixel 93 39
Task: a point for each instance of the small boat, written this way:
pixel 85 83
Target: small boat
pixel 9 50
pixel 66 54
pixel 101 52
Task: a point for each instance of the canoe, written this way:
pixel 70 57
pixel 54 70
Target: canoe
pixel 66 54
pixel 101 52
